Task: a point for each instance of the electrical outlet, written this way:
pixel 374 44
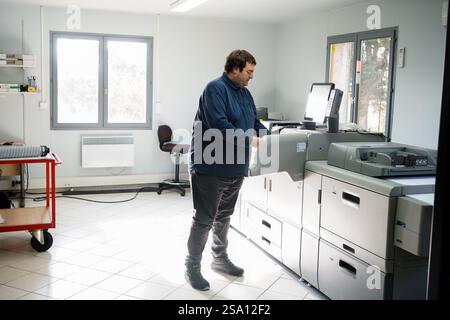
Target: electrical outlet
pixel 43 105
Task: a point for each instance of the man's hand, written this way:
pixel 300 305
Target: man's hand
pixel 255 142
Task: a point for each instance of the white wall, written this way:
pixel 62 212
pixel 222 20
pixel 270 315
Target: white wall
pixel 191 53
pixel 301 60
pixel 290 57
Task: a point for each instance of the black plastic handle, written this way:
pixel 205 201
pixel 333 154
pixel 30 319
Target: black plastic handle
pixel 266 224
pixel 347 266
pixel 351 198
pixel 265 239
pixel 348 248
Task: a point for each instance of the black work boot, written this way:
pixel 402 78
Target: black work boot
pixel 194 277
pixel 226 266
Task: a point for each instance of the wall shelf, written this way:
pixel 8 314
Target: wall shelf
pixel 17 93
pixel 15 66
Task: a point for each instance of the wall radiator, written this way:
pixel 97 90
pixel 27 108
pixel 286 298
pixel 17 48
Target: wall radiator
pixel 106 151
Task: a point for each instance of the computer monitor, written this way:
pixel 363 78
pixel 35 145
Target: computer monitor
pixel 316 106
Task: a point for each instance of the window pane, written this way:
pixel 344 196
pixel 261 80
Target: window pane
pixel 373 89
pixel 78 80
pixel 127 82
pixel 341 73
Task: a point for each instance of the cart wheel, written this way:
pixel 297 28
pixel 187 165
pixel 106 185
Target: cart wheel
pixel 48 241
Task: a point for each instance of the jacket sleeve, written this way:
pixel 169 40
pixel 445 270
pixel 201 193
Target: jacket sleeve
pixel 214 107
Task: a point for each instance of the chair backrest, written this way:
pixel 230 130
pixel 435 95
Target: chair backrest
pixel 164 135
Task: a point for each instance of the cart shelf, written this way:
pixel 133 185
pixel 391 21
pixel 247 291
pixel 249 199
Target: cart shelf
pixel 22 217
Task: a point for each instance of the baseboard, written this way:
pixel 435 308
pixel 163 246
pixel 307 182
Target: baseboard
pixel 72 182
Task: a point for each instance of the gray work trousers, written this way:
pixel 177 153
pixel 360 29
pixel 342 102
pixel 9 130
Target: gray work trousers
pixel 214 200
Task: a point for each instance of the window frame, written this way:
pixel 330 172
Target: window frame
pixel 103 81
pixel 356 38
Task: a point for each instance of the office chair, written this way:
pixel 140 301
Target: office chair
pixel 166 145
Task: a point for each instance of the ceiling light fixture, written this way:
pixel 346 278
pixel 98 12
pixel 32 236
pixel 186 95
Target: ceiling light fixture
pixel 185 5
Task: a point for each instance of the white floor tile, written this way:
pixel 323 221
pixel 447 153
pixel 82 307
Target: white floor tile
pixel 125 297
pixel 31 263
pixel 56 253
pixel 118 284
pixel 111 265
pixel 240 292
pixel 272 295
pixel 172 280
pixel 83 259
pixel 258 281
pixel 134 250
pixel 35 296
pixel 59 270
pixel 106 250
pixel 150 291
pixel 8 293
pixel 182 294
pixel 9 274
pixel 31 282
pixel 88 277
pixel 81 245
pixel 94 294
pixel 292 287
pixel 61 289
pixel 139 271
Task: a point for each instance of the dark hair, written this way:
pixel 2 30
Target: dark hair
pixel 238 58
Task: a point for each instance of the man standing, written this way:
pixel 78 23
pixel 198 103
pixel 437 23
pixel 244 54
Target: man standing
pixel 226 112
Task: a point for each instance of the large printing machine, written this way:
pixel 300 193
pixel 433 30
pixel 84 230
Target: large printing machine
pixel 348 213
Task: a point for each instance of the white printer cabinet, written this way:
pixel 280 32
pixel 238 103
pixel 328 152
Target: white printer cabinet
pixel 271 212
pixel 276 194
pixel 347 245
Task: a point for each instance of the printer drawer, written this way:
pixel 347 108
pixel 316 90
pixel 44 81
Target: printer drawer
pixel 269 227
pixel 361 216
pixel 343 277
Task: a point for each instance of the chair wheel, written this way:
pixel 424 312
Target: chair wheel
pixel 48 241
pixel 183 193
pixel 158 192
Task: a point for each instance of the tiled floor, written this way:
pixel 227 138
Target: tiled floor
pixel 133 250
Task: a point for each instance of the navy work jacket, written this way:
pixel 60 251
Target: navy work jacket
pixel 226 107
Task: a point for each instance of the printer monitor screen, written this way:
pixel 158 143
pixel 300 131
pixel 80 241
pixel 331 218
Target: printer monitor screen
pixel 316 106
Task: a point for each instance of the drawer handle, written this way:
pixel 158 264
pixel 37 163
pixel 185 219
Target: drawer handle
pixel 265 240
pixel 266 224
pixel 265 183
pixel 348 267
pixel 349 249
pixel 351 199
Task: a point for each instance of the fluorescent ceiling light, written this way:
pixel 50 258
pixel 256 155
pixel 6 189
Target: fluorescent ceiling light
pixel 185 5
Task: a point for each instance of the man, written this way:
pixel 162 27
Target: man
pixel 225 107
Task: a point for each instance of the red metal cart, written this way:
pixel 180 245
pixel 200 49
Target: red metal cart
pixel 37 220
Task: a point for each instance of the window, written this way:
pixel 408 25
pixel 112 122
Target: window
pixel 361 65
pixel 101 81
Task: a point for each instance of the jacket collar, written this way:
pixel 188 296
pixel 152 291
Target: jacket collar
pixel 229 81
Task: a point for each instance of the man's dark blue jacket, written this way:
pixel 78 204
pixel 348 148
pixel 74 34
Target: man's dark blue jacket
pixel 224 105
